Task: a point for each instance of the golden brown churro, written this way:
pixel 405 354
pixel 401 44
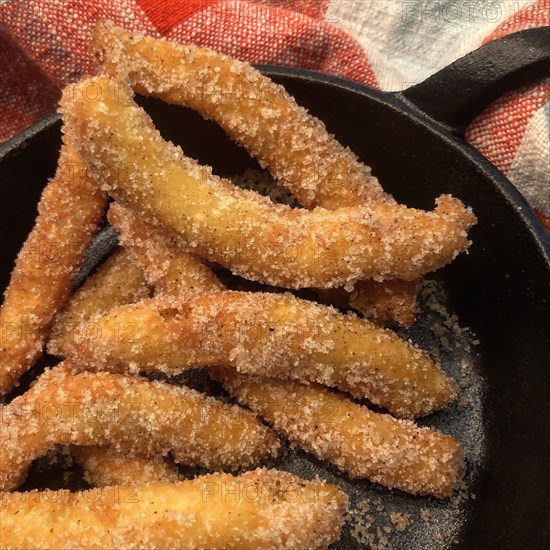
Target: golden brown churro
pixel 69 212
pixel 395 453
pixel 273 352
pixel 167 268
pixel 272 335
pixel 242 230
pixel 257 113
pixel 380 302
pixel 117 281
pixel 263 509
pixel 129 414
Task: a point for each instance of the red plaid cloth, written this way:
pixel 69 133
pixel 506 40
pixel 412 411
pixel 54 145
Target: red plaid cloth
pixel 43 47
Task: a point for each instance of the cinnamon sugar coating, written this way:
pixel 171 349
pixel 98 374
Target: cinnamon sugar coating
pixel 262 117
pixel 257 113
pixel 263 509
pixel 116 282
pixel 395 453
pixel 386 301
pixel 169 269
pixel 129 414
pixel 69 213
pixel 105 466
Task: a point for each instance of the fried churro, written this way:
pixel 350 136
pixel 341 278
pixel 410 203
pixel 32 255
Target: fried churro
pixel 273 352
pixel 69 213
pixel 386 301
pixel 242 230
pixel 263 509
pixel 256 112
pixel 128 414
pixel 395 453
pixel 169 270
pixel 262 117
pixel 269 334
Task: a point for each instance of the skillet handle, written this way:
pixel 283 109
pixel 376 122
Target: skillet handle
pixel 460 91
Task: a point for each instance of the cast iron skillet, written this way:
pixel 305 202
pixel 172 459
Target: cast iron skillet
pixel 414 142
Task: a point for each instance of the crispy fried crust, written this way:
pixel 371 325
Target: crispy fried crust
pixel 242 230
pixel 264 509
pixel 169 269
pixel 118 281
pixel 69 213
pixel 272 335
pixel 105 466
pixel 395 453
pixel 131 415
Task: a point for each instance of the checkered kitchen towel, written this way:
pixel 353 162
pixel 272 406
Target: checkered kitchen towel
pixel 389 44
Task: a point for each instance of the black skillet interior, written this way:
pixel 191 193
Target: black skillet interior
pixel 501 288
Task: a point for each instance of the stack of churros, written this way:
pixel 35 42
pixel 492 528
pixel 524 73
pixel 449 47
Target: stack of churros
pixel 157 306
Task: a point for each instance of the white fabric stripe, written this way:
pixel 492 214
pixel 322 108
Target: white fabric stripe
pixel 530 171
pixel 407 41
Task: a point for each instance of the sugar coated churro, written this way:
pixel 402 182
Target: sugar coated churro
pixel 263 509
pixel 69 213
pixel 269 334
pixel 395 453
pixel 255 111
pixel 386 301
pixel 261 116
pixel 157 306
pixel 129 414
pixel 170 270
pixel 266 242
